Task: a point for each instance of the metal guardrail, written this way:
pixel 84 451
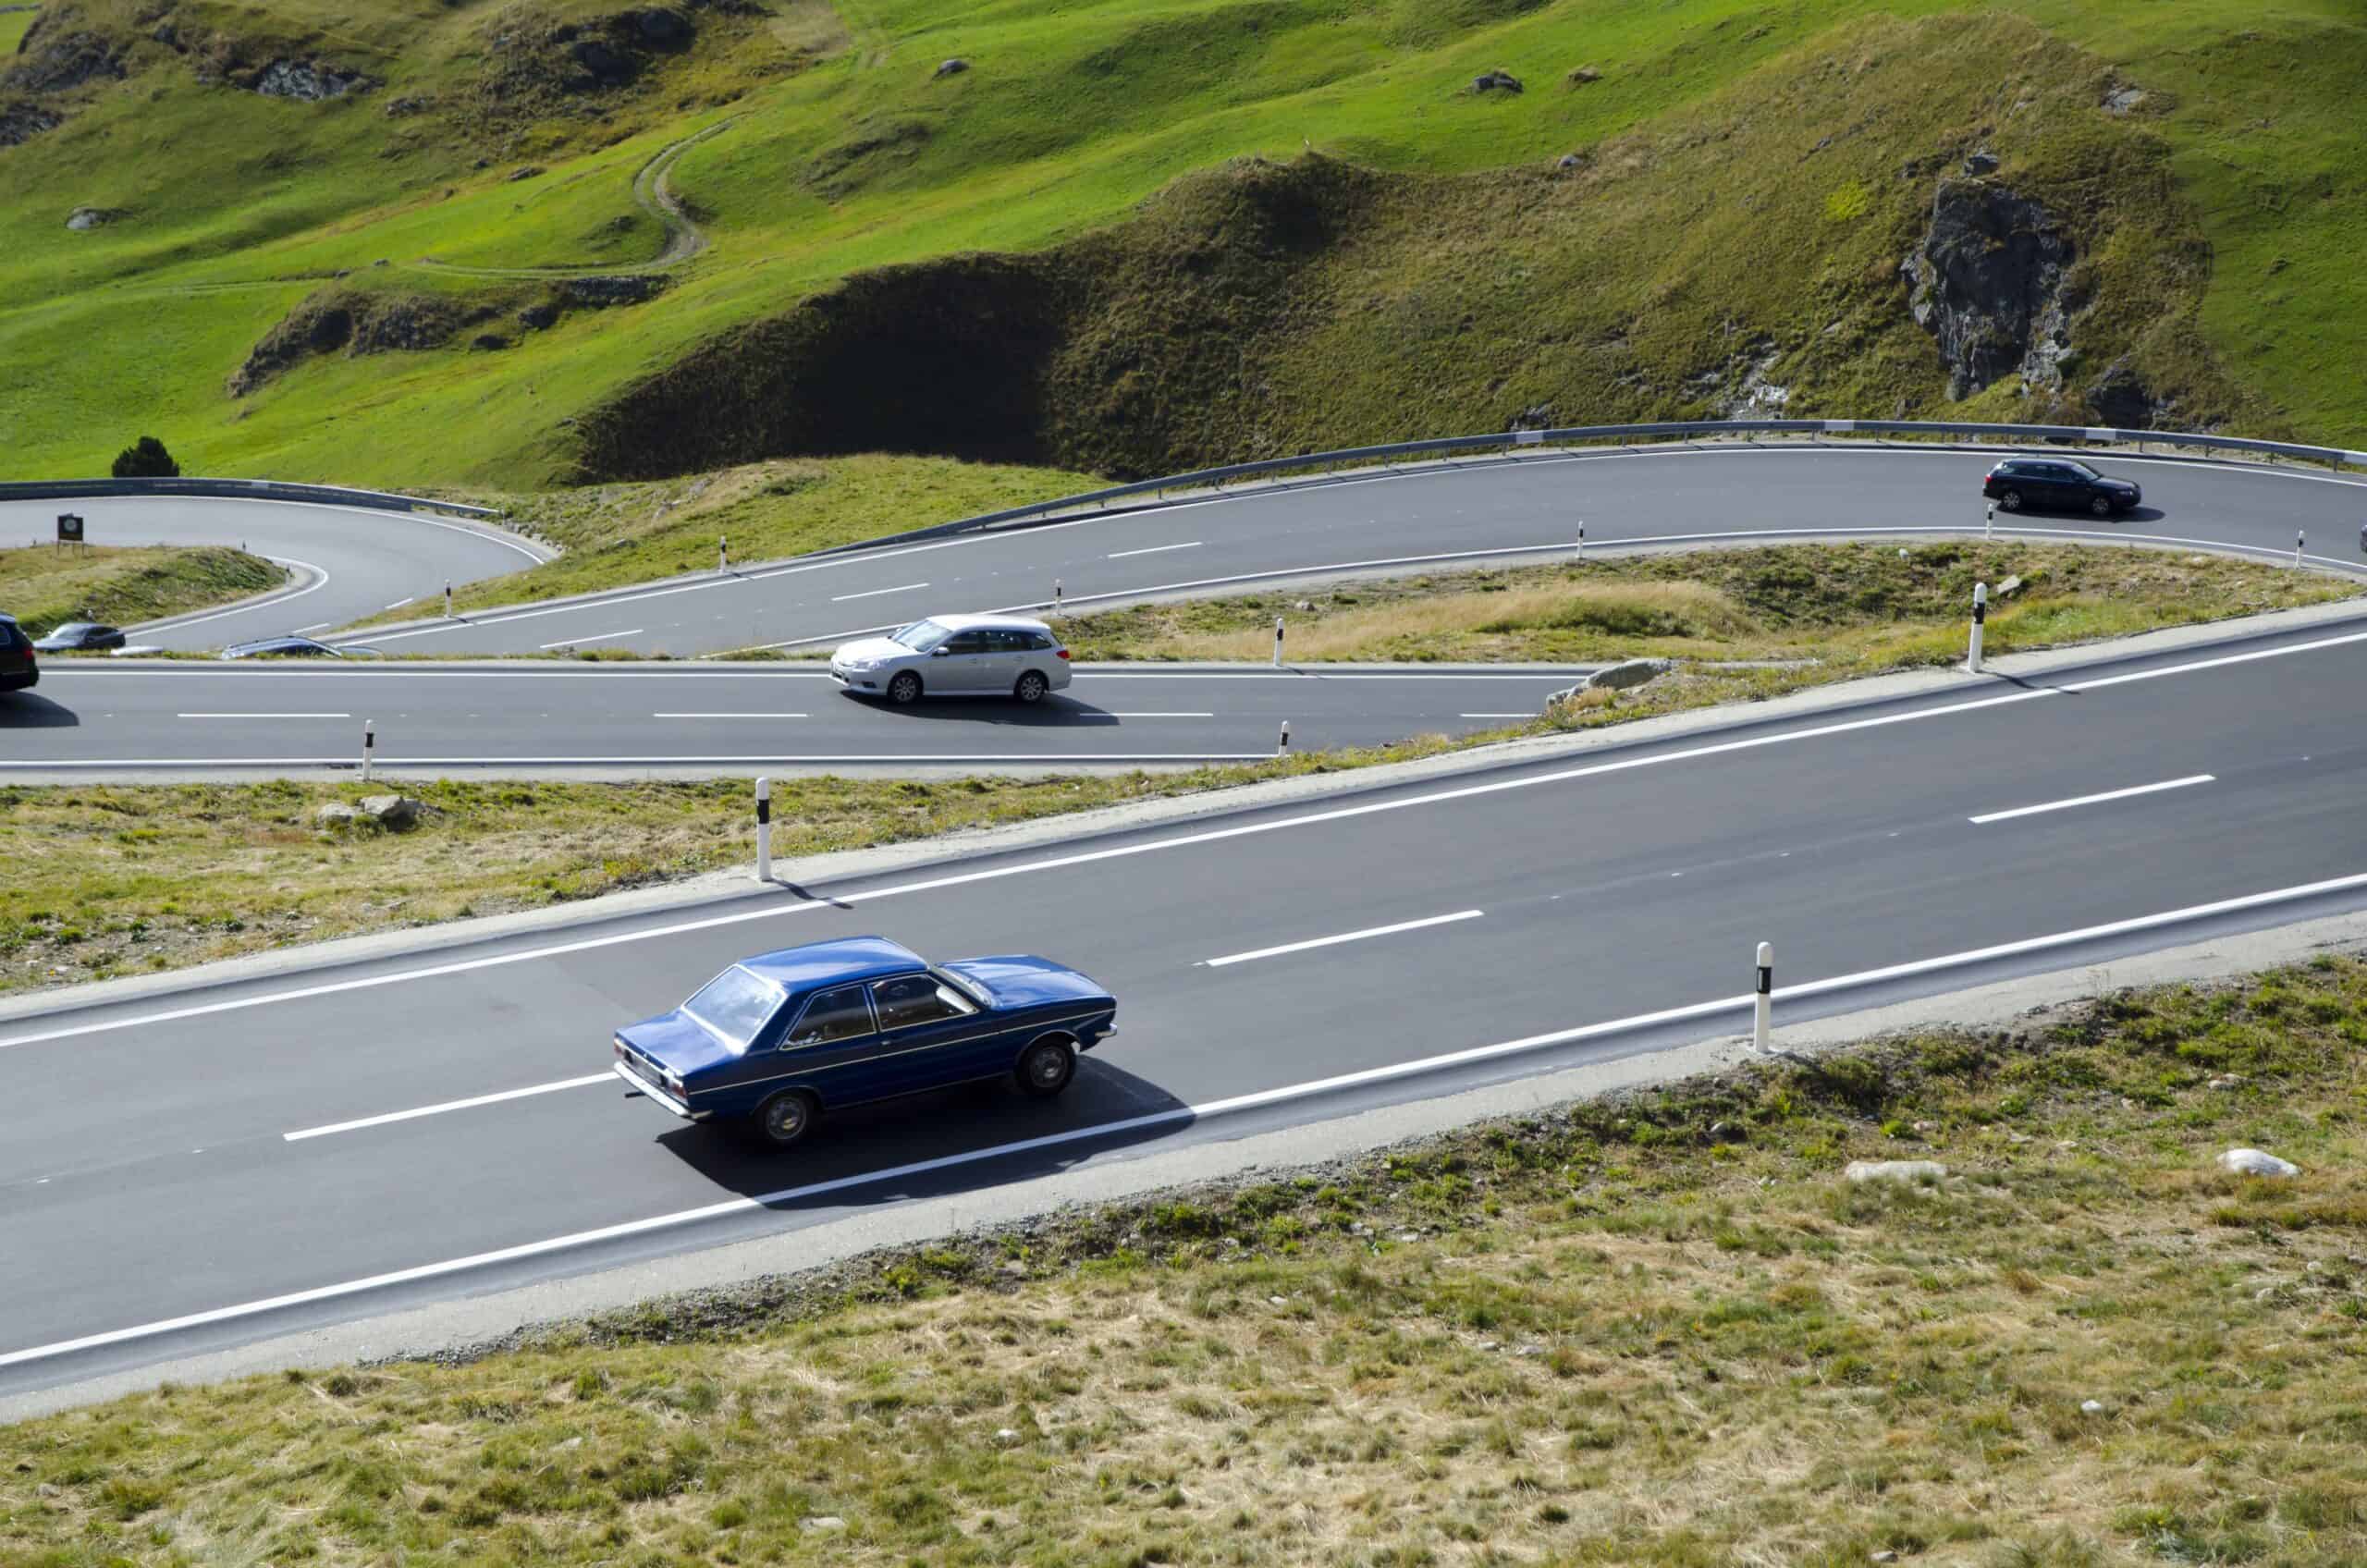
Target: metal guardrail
pixel 1514 440
pixel 230 489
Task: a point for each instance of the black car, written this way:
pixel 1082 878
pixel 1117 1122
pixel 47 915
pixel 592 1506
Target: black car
pixel 296 648
pixel 18 669
pixel 76 634
pixel 2058 484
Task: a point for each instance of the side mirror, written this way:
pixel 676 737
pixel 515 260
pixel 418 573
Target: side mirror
pixel 938 652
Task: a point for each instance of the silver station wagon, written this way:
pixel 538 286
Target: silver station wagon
pixel 956 656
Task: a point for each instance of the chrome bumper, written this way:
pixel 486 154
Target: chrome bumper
pixel 660 1093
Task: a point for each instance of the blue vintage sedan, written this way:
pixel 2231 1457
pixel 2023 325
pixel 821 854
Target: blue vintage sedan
pixel 777 1039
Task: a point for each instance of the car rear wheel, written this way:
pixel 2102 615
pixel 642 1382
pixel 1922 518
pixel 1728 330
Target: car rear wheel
pixel 906 688
pixel 782 1119
pixel 1032 687
pixel 2100 506
pixel 1047 1065
pixel 2011 500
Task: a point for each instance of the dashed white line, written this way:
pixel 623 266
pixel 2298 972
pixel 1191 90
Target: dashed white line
pixel 1345 936
pixel 1152 550
pixel 316 626
pixel 264 715
pixel 2096 799
pixel 875 593
pixel 1163 715
pixel 1495 715
pixel 594 637
pixel 727 715
pixel 418 1111
pixel 401 602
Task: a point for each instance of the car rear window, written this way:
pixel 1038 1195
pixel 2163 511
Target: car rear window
pixel 735 1004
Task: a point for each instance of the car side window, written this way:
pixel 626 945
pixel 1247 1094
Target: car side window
pixel 832 1016
pixel 916 999
pixel 1015 641
pixel 966 643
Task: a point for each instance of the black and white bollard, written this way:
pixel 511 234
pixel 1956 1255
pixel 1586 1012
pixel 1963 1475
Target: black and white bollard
pixel 1582 541
pixel 1980 617
pixel 369 743
pixel 763 830
pixel 1283 749
pixel 1989 526
pixel 723 552
pixel 447 601
pixel 1056 595
pixel 2297 538
pixel 1278 642
pixel 1762 1005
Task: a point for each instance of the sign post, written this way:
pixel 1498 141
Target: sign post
pixel 69 530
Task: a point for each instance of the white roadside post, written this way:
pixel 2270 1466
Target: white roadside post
pixel 1056 595
pixel 1582 541
pixel 369 741
pixel 723 552
pixel 764 829
pixel 1278 642
pixel 1283 749
pixel 1763 1011
pixel 447 601
pixel 1979 616
pixel 2297 538
pixel 1989 526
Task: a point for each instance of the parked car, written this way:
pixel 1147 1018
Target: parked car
pixel 777 1040
pixel 956 656
pixel 2059 485
pixel 19 671
pixel 297 648
pixel 80 635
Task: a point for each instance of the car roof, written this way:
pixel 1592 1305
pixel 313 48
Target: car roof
pixel 993 622
pixel 834 963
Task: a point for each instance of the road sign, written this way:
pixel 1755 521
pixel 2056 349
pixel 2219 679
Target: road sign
pixel 70 529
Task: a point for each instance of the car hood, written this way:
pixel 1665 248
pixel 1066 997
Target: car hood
pixel 1024 981
pixel 870 650
pixel 675 1041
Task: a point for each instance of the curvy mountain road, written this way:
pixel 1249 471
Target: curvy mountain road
pixel 343 562
pixel 226 1161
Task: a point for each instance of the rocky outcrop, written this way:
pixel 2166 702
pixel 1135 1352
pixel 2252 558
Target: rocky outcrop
pixel 621 288
pixel 19 123
pixel 1987 282
pixel 2121 398
pixel 86 219
pixel 307 81
pixel 57 65
pixel 1495 82
pixel 339 321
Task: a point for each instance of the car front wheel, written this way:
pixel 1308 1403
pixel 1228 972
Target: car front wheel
pixel 1045 1067
pixel 1032 687
pixel 2011 500
pixel 2100 506
pixel 782 1119
pixel 906 688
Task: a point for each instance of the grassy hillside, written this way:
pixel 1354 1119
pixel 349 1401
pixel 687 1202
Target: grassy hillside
pixel 1748 179
pixel 45 587
pixel 1662 1330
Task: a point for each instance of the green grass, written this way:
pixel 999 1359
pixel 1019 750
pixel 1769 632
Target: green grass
pixel 615 535
pixel 1659 1330
pixel 1461 285
pixel 1865 606
pixel 12 29
pixel 44 586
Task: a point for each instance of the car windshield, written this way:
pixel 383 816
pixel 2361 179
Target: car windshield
pixel 74 629
pixel 922 635
pixel 733 1006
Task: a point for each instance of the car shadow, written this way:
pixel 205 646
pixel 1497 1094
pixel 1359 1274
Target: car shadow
pixel 945 1141
pixel 1054 712
pixel 31 710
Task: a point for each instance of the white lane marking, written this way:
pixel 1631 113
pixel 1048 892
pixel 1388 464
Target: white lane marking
pixel 2094 800
pixel 1172 1116
pixel 401 602
pixel 875 593
pixel 343 512
pixel 264 715
pixel 1154 846
pixel 320 581
pixel 397 670
pixel 1152 550
pixel 469 1103
pixel 592 637
pixel 1345 936
pixel 1496 716
pixel 1023 759
pixel 1163 715
pixel 316 626
pixel 727 715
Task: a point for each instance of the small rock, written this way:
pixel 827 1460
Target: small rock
pixel 2091 1407
pixel 2226 1081
pixel 1632 673
pixel 1278 1301
pixel 1583 76
pixel 2007 589
pixel 87 219
pixel 1006 1435
pixel 1304 607
pixel 1981 163
pixel 1881 1556
pixel 1726 1133
pixel 1911 1170
pixel 2123 100
pixel 1489 1345
pixel 1570 161
pixel 532 171
pixel 489 341
pixel 663 29
pixel 2256 1162
pixel 1926 1126
pixel 822 1521
pixel 1531 1351
pixel 394 810
pixel 538 317
pixel 335 813
pixel 1496 81
pixel 951 67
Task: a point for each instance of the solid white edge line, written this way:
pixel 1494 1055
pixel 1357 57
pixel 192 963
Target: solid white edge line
pixel 320 579
pixel 1495 715
pixel 1345 936
pixel 316 626
pixel 728 715
pixel 1153 550
pixel 1015 758
pixel 419 1111
pixel 1154 846
pixel 1255 1099
pixel 875 593
pixel 592 637
pixel 263 716
pixel 2094 800
pixel 1163 715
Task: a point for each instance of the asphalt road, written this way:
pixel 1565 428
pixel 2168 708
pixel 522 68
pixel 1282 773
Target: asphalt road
pixel 1384 521
pixel 98 718
pixel 344 563
pixel 181 1172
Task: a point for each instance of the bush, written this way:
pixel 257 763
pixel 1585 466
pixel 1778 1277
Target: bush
pixel 147 459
